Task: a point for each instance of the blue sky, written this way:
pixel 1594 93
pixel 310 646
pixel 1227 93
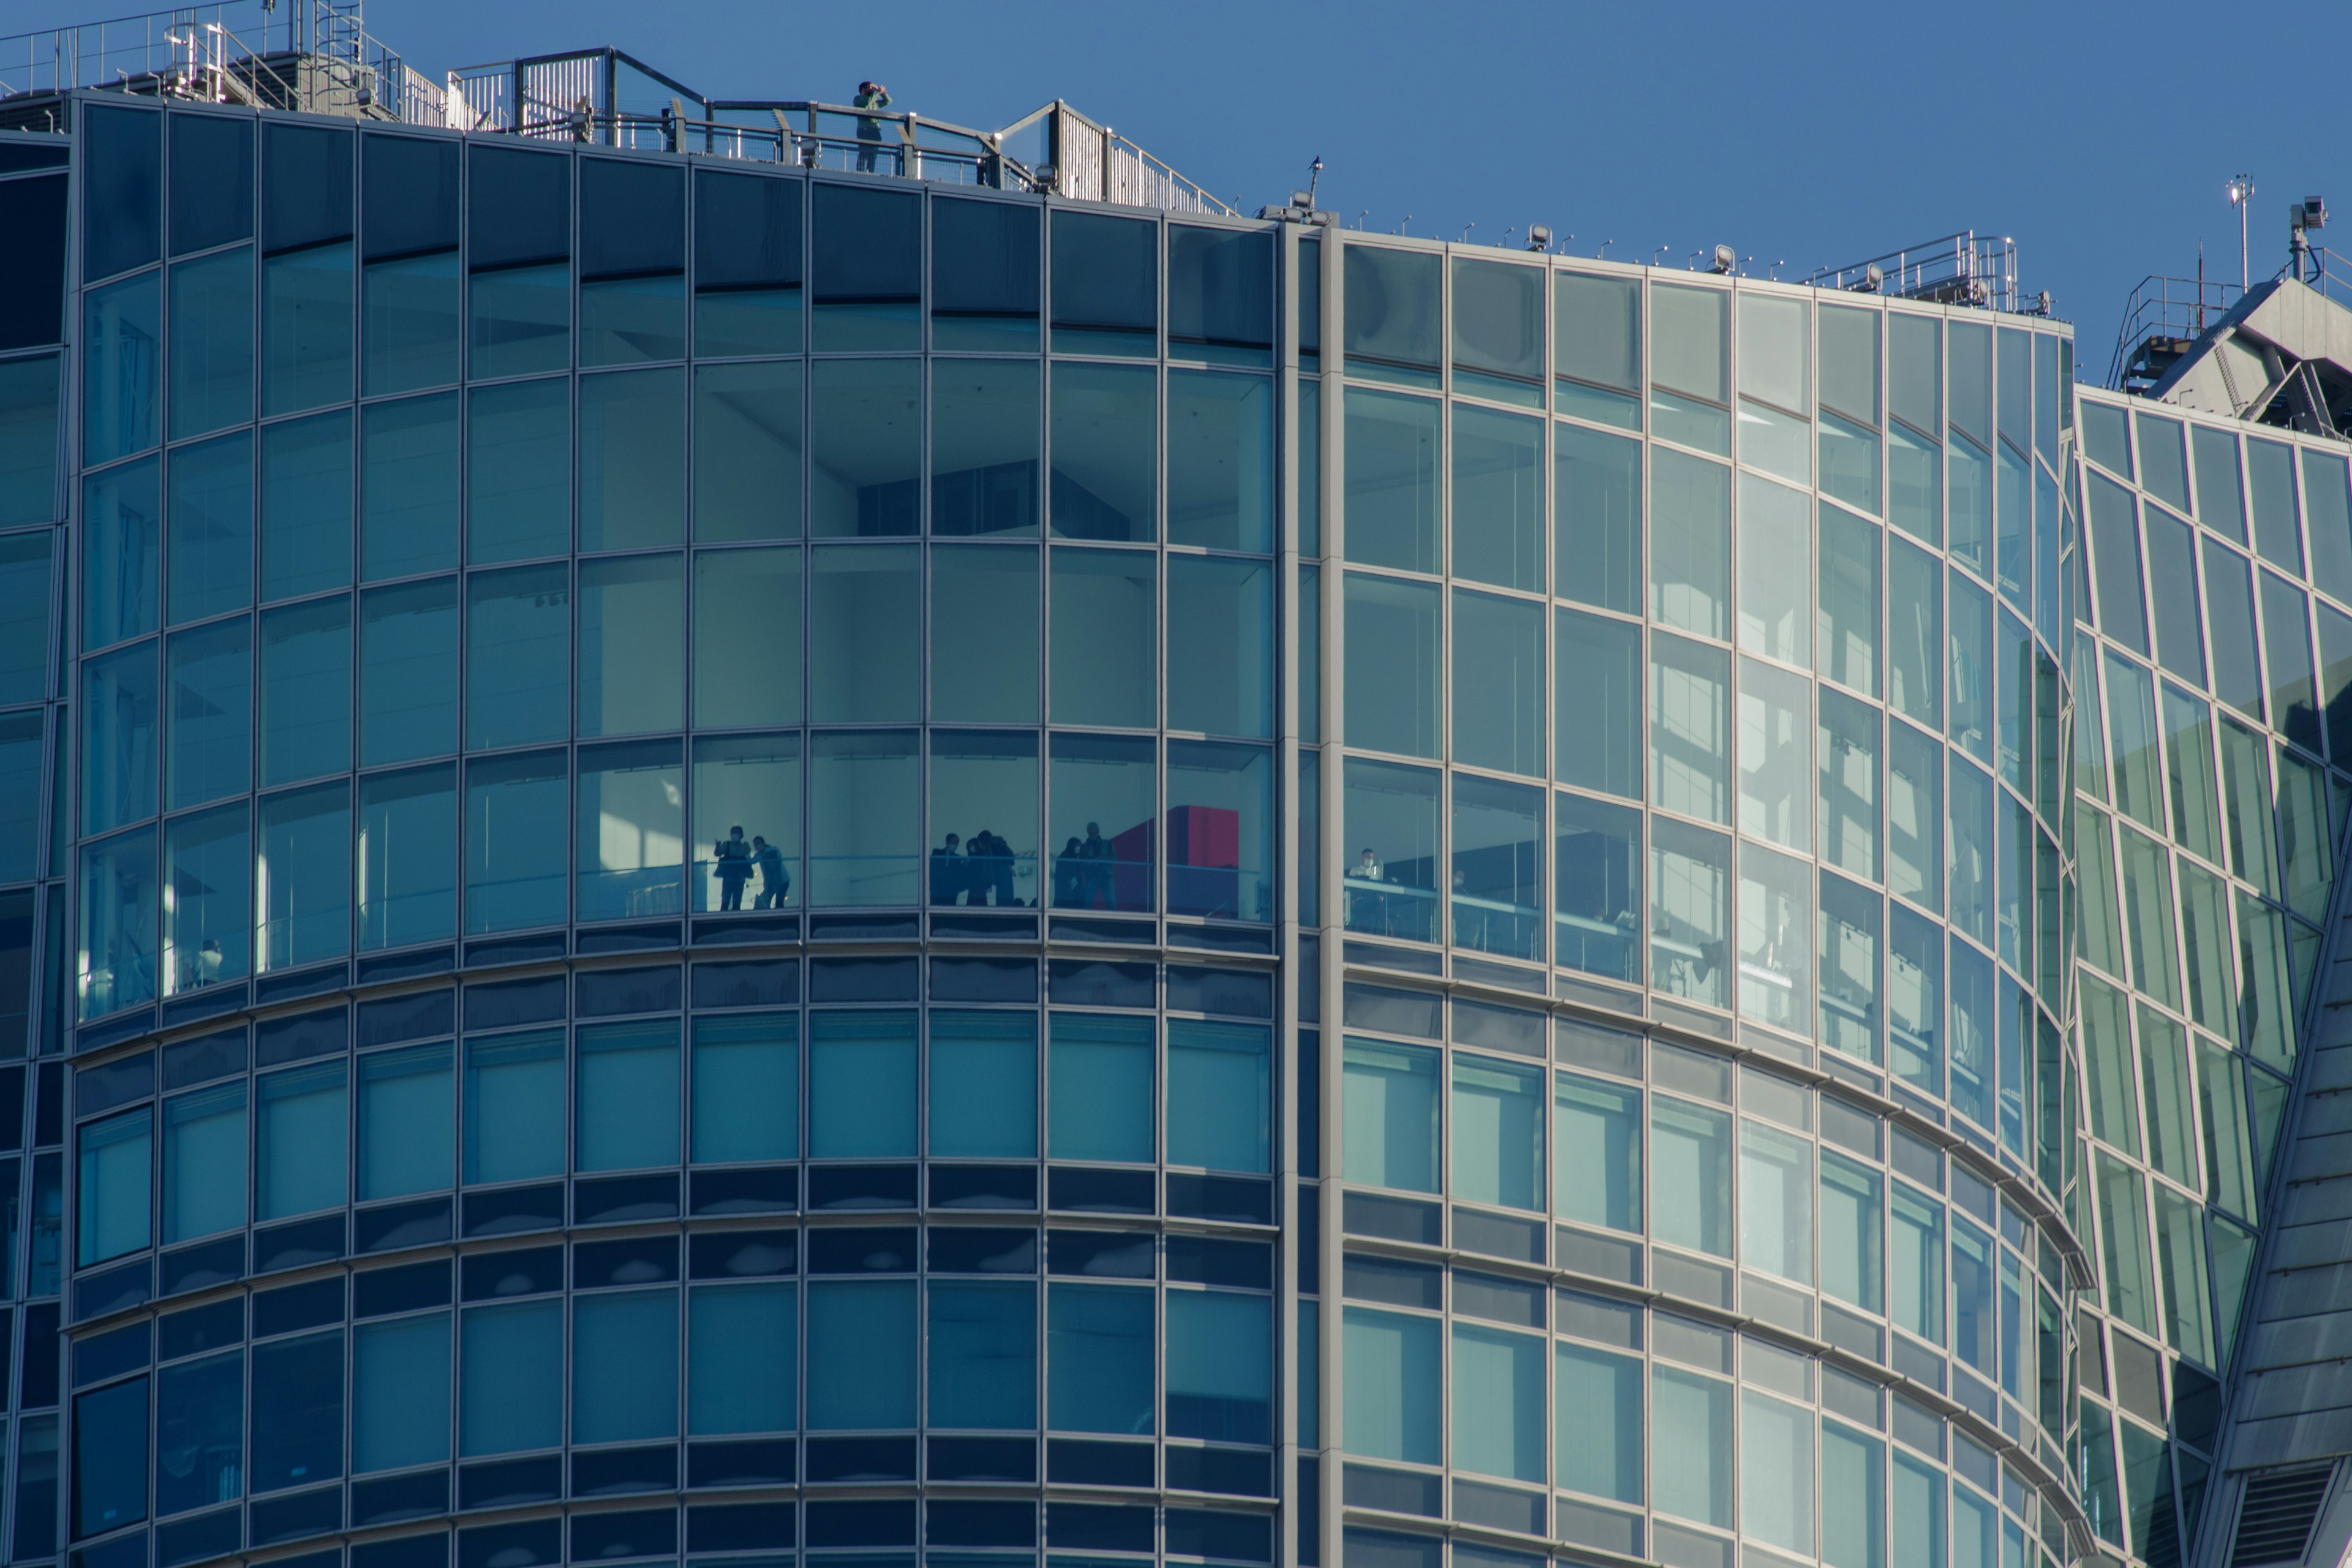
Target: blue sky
pixel 1815 136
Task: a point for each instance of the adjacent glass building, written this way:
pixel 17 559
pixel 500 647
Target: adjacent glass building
pixel 813 850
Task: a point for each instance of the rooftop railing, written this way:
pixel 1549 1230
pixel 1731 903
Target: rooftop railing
pixel 2162 319
pixel 1963 268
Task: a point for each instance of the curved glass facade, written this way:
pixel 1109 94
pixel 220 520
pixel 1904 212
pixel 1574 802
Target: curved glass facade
pixel 710 860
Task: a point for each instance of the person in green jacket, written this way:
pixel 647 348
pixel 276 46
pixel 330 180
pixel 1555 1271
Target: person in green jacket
pixel 875 96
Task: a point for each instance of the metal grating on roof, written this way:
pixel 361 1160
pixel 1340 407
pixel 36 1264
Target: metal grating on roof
pixel 2275 1515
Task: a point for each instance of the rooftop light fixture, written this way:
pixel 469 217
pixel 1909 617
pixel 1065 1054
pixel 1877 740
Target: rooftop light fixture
pixel 1540 236
pixel 1726 258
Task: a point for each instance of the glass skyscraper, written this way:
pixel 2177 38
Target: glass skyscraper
pixel 774 835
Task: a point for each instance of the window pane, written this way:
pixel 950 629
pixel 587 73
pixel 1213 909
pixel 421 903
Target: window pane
pixel 866 251
pixel 1219 1096
pixel 111 1189
pixel 515 841
pixel 1221 1366
pixel 408 671
pixel 1849 805
pixel 1691 1171
pixel 1104 799
pixel 1394 321
pixel 404 1124
pixel 865 634
pixel 510 1389
pixel 1107 284
pixel 1496 890
pixel 517 656
pixel 110 1460
pixel 121 523
pixel 1854 1493
pixel 865 440
pixel 1392 652
pixel 1391 818
pixel 1104 631
pixel 632 460
pixel 1220 646
pixel 1498 681
pixel 118 737
pixel 208 919
pixel 409 334
pixel 631 644
pixel 514 1107
pixel 627 1112
pixel 1220 830
pixel 865 829
pixel 211 342
pixel 1499 313
pixel 1597 335
pixel 862 1086
pixel 301 1144
pixel 1599 1411
pixel 1497 1136
pixel 983 1084
pixel 747 1081
pixel 1597 1171
pixel 123 339
pixel 519 475
pixel 1776 1471
pixel 306 327
pixel 861 1353
pixel 1690 872
pixel 747 446
pixel 983 782
pixel 28 439
pixel 1776 1202
pixel 400 1392
pixel 984 439
pixel 984 277
pixel 118 908
pixel 749 783
pixel 409 485
pixel 305 691
pixel 1775 593
pixel 1690 1444
pixel 1394 1394
pixel 1100 1081
pixel 408 857
pixel 200 1433
pixel 1098 1374
pixel 984 635
pixel 520 316
pixel 735 1381
pixel 1849 600
pixel 211 554
pixel 204 1163
pixel 306 505
pixel 1689 723
pixel 1392 480
pixel 1220 460
pixel 1389 1115
pixel 1597 696
pixel 747 638
pixel 304 872
pixel 982 1366
pixel 210 741
pixel 624 1366
pixel 1776 916
pixel 747 263
pixel 1597 550
pixel 1106 450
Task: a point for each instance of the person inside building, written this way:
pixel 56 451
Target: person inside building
pixel 733 868
pixel 950 872
pixel 775 878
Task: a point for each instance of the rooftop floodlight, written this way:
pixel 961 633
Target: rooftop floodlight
pixel 1726 258
pixel 1874 279
pixel 1539 237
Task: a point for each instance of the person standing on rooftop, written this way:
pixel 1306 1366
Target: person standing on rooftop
pixel 875 96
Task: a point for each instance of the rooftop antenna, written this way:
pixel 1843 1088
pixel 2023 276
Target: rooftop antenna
pixel 2241 192
pixel 1314 177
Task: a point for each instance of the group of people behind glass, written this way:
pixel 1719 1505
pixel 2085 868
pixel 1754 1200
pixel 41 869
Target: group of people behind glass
pixel 734 858
pixel 977 873
pixel 1083 876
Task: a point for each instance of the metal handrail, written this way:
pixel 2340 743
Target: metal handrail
pixel 1960 269
pixel 2161 307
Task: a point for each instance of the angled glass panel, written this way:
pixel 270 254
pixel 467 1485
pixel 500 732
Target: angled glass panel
pixel 210 552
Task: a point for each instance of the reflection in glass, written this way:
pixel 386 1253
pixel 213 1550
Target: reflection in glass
pixel 306 328
pixel 518 472
pixel 122 393
pixel 303 874
pixel 409 485
pixel 305 691
pixel 517 656
pixel 515 848
pixel 1496 890
pixel 1391 480
pixel 631 644
pixel 209 742
pixel 633 459
pixel 409 322
pixel 207 901
pixel 210 558
pixel 747 638
pixel 120 538
pixel 118 905
pixel 408 857
pixel 1597 887
pixel 1690 876
pixel 211 342
pixel 408 671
